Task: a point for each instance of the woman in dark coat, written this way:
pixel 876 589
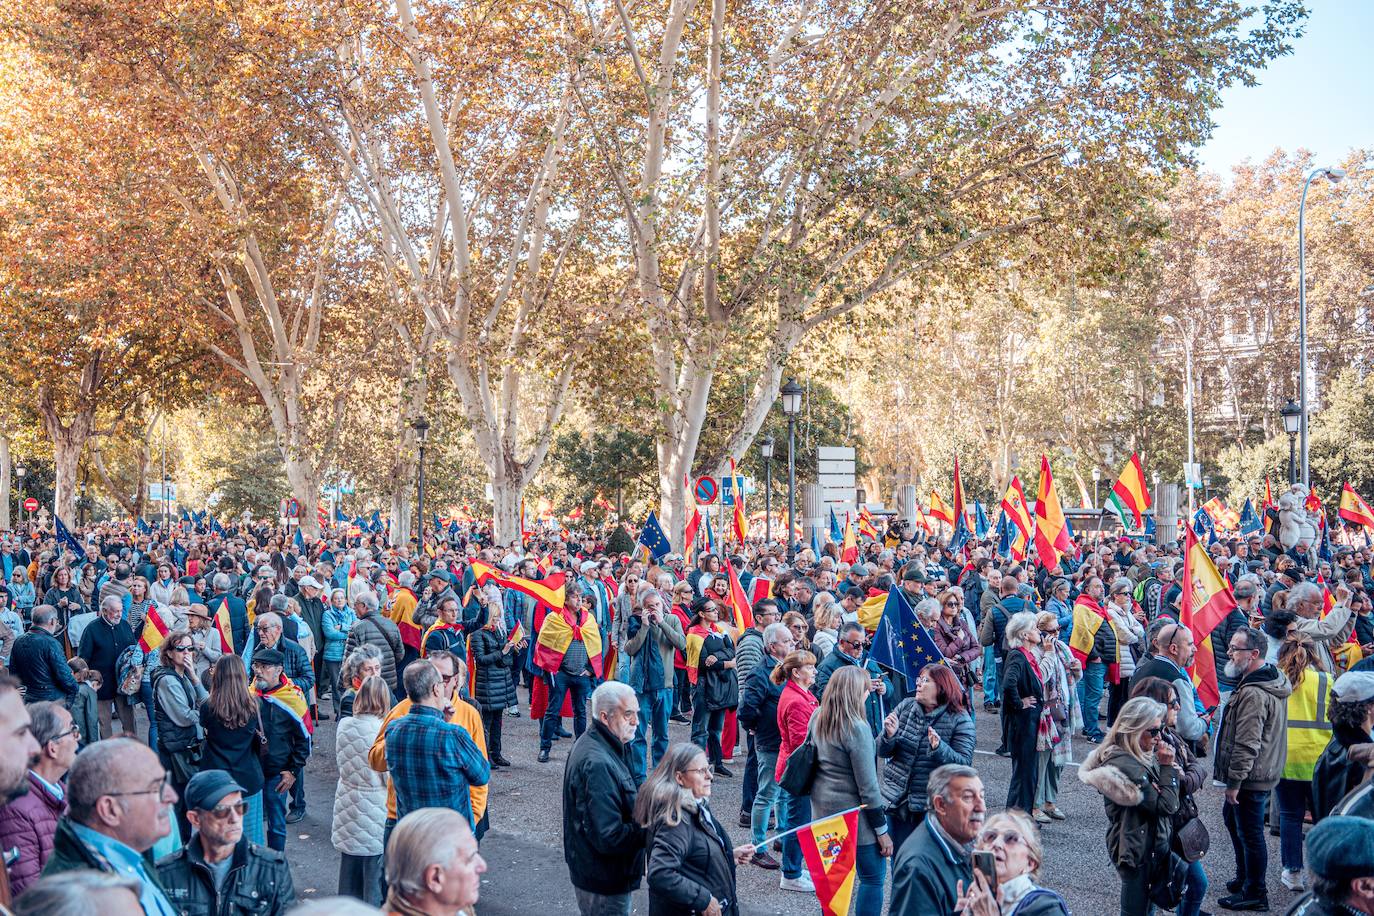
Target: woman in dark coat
pixel 691 862
pixel 1338 770
pixel 1023 699
pixel 64 596
pixel 711 668
pixel 493 655
pixel 229 716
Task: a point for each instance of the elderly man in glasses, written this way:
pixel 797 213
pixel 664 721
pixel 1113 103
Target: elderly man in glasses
pixel 219 863
pixel 120 801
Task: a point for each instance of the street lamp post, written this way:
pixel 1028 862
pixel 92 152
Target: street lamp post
pixel 1207 488
pixel 1186 335
pixel 1333 175
pixel 766 451
pixel 791 406
pixel 166 508
pixel 19 472
pixel 421 427
pixel 1097 478
pixel 1292 419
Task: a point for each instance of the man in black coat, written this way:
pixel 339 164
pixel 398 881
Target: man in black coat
pixel 758 710
pixel 102 642
pixel 602 844
pixel 37 660
pixel 935 858
pixel 258 880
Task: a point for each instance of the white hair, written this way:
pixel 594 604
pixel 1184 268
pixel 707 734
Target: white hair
pixel 1018 626
pixel 610 696
pixel 368 599
pixel 270 619
pixel 775 633
pixel 220 582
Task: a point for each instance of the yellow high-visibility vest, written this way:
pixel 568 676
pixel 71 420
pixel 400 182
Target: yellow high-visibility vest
pixel 1309 731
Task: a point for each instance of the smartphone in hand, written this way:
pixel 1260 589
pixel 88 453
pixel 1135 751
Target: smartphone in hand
pixel 986 863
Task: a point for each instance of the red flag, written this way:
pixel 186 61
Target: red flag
pixel 741 612
pixel 1207 599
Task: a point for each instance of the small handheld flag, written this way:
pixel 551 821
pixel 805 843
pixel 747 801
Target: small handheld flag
pixel 1354 509
pixel 651 536
pixel 836 534
pixel 901 642
pixel 1250 522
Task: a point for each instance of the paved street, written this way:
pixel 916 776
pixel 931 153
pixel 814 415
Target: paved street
pixel 524 856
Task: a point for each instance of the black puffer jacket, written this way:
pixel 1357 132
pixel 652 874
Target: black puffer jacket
pixel 38 661
pixel 689 863
pixel 492 684
pixel 258 883
pixel 602 844
pixel 717 685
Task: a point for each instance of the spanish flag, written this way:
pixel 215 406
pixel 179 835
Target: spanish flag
pixel 741 527
pixel 1130 497
pixel 870 613
pixel 557 633
pixel 1207 600
pixel 696 637
pixel 866 526
pixel 155 630
pixel 1354 509
pixel 1014 504
pixel 434 627
pixel 830 847
pixel 850 551
pixel 289 697
pixel 1088 618
pixel 1051 534
pixel 224 627
pixel 741 612
pixel 939 510
pixel 548 591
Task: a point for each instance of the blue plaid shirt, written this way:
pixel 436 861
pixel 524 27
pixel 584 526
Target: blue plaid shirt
pixel 433 763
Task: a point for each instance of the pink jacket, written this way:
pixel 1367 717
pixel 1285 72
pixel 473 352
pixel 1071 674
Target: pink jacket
pixel 29 823
pixel 795 709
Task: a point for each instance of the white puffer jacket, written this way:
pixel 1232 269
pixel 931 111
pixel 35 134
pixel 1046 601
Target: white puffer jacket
pixel 360 799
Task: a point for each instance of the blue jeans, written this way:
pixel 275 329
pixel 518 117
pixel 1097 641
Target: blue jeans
pixel 749 786
pixel 145 693
pixel 274 805
pixel 871 870
pixel 653 705
pixel 252 819
pixel 1245 822
pixel 989 674
pixel 796 810
pixel 1194 890
pixel 765 799
pixel 1090 697
pixel 581 687
pixel 1294 802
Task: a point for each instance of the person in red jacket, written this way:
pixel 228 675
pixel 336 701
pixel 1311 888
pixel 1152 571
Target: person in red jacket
pixel 29 822
pixel 796 706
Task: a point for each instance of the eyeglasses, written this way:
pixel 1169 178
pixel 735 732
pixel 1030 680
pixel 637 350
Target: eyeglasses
pixel 222 812
pixel 703 770
pixel 74 730
pixel 160 789
pixel 1175 704
pixel 1154 732
pixel 185 647
pixel 1008 837
pixel 953 602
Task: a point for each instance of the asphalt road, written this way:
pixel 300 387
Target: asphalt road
pixel 526 873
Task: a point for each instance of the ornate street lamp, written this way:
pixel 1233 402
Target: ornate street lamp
pixel 766 451
pixel 791 406
pixel 1292 422
pixel 421 427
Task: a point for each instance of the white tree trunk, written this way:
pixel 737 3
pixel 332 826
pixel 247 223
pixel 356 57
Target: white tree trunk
pixel 400 514
pixel 304 481
pixel 4 479
pixel 506 492
pixel 66 452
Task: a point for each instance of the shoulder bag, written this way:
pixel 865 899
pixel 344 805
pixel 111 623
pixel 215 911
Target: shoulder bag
pixel 800 772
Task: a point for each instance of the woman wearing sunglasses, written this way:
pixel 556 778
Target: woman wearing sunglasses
pixel 1134 771
pixel 1014 842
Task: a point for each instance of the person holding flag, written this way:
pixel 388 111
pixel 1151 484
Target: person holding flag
pixel 287 727
pixel 711 671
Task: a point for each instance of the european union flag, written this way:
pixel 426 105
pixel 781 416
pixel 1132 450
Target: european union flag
pixel 216 527
pixel 1150 528
pixel 1324 546
pixel 185 516
pixel 651 536
pixel 65 539
pixel 816 542
pixel 980 521
pixel 437 526
pixel 836 532
pixel 299 540
pixel 1250 522
pixel 1203 525
pixel 901 643
pixel 960 535
pixel 142 526
pixel 339 514
pixel 377 525
pixel 453 527
pixel 1003 537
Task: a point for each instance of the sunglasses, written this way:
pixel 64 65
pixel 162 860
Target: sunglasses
pixel 1008 837
pixel 222 812
pixel 1154 732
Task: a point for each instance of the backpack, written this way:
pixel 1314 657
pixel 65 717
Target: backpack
pixel 128 676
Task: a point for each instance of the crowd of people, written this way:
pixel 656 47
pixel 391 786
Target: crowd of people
pixel 159 711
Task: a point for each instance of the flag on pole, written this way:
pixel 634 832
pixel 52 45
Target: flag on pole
pixel 155 630
pixel 1354 509
pixel 738 498
pixel 1003 537
pixel 1221 514
pixel 652 538
pixel 1207 599
pixel 836 533
pixel 1203 525
pixel 1250 522
pixel 939 510
pixel 961 533
pixel 850 553
pixel 901 642
pixel 693 526
pixel 1051 534
pixel 1129 497
pixel 866 526
pixel 1014 505
pixel 740 611
pixel 298 541
pixel 921 521
pixel 830 848
pixel 980 521
pixel 65 539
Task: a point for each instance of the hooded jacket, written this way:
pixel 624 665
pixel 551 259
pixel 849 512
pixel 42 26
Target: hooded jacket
pixel 1139 799
pixel 1253 742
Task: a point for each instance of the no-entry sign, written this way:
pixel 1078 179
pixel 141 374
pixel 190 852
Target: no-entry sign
pixel 30 505
pixel 707 489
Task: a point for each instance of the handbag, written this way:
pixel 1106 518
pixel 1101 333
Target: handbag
pixel 1168 874
pixel 260 741
pixel 1193 839
pixel 800 772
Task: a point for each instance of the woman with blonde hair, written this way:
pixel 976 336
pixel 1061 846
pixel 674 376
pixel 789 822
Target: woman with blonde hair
pixel 825 615
pixel 1309 731
pixel 1134 771
pixel 847 777
pixel 796 622
pixel 691 865
pixel 1015 845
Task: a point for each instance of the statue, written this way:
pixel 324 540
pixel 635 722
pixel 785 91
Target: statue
pixel 1297 525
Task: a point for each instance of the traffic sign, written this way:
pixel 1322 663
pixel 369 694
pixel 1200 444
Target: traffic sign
pixel 707 489
pixel 30 505
pixel 293 508
pixel 728 486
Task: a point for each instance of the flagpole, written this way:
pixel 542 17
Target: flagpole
pixel 778 836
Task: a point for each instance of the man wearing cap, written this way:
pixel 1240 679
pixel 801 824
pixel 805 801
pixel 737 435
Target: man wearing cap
pixel 288 745
pixel 440 589
pixel 1340 855
pixel 218 864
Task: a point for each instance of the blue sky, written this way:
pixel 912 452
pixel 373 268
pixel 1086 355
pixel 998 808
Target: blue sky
pixel 1319 97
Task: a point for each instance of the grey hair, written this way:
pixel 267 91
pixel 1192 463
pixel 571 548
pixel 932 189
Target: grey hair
pixel 338 591
pixel 775 633
pixel 112 603
pixel 1246 588
pixel 610 696
pixel 1303 592
pixel 220 582
pixel 368 599
pixel 45 722
pixel 662 799
pixel 270 619
pixel 357 658
pixel 1018 626
pixel 279 602
pixel 1122 586
pixel 928 608
pixel 334 906
pixel 937 786
pixel 72 893
pixel 406 579
pixel 421 677
pixel 428 836
pixel 1255 639
pixel 94 774
pixel 43 615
